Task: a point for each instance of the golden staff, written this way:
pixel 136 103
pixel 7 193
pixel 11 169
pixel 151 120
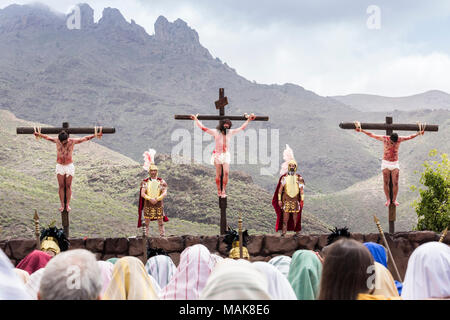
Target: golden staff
pixel 387 246
pixel 144 241
pixel 36 230
pixel 240 236
pixel 444 233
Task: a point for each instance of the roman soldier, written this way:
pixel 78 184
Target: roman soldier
pixel 53 240
pixel 232 240
pixel 289 196
pixel 153 191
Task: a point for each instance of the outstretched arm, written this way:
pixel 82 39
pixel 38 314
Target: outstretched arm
pixel 201 126
pixel 37 134
pixel 403 138
pixel 249 118
pixel 370 134
pixel 86 138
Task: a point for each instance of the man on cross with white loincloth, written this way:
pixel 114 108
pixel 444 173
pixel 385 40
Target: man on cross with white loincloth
pixel 65 169
pixel 221 156
pixel 390 164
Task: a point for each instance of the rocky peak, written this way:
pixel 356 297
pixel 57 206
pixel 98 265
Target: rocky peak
pixel 87 15
pixel 180 35
pixel 113 17
pixel 19 17
pixel 114 23
pixel 178 31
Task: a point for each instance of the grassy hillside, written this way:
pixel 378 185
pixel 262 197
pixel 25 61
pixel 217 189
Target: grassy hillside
pixel 105 192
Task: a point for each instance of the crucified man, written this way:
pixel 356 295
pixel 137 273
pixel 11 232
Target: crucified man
pixel 65 169
pixel 390 164
pixel 221 156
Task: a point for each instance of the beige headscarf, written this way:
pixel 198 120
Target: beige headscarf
pixel 384 282
pixel 236 280
pixel 130 281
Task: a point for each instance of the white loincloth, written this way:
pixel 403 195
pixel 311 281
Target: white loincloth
pixel 68 169
pixel 391 165
pixel 221 158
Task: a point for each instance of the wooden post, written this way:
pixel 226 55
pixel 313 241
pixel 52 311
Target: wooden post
pixel 241 254
pixel 392 209
pixel 65 213
pixel 220 105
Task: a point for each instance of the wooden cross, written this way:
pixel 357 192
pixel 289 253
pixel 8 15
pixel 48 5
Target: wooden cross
pixel 220 105
pixel 56 130
pixel 389 126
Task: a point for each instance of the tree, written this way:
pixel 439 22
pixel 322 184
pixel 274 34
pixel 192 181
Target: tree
pixel 433 205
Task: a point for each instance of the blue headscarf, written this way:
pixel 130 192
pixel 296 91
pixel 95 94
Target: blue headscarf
pixel 379 255
pixel 378 252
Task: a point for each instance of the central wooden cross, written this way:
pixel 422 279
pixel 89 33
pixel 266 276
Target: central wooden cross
pixel 220 105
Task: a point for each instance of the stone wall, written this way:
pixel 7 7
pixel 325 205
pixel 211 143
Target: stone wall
pixel 260 247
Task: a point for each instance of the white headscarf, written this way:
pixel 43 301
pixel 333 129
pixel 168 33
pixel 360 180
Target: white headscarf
pixel 236 280
pixel 34 283
pixel 161 268
pixel 11 285
pixel 216 257
pixel 191 275
pixel 428 272
pixel 155 285
pixel 282 263
pixel 279 286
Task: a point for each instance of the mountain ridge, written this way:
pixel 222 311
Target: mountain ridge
pixel 431 99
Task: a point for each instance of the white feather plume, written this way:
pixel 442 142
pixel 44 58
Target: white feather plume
pixel 149 158
pixel 288 155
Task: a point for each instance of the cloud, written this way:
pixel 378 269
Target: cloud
pixel 324 46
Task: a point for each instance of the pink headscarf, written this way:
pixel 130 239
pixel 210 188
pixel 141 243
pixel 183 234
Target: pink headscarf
pixel 191 275
pixel 34 261
pixel 106 270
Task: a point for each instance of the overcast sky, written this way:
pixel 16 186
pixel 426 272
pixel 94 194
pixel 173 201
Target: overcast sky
pixel 329 47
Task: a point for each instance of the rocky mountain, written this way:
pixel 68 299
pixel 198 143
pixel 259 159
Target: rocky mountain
pixel 433 100
pixel 112 73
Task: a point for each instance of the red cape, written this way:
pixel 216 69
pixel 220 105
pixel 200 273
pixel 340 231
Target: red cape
pixel 34 261
pixel 141 206
pixel 279 211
